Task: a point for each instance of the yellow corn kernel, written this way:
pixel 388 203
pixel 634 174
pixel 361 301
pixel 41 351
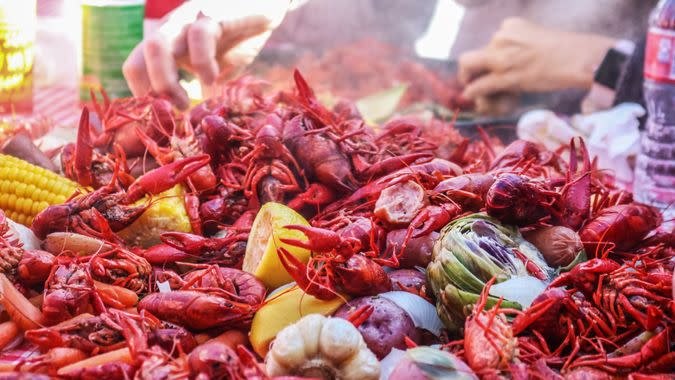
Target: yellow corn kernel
pixel 26 190
pixel 166 213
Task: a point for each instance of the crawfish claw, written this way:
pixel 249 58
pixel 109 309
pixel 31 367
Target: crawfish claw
pixel 319 239
pixel 165 177
pixel 183 241
pixel 432 218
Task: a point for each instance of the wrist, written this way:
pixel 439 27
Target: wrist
pixel 592 50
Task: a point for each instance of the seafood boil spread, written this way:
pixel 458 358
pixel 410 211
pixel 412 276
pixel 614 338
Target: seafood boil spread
pixel 264 234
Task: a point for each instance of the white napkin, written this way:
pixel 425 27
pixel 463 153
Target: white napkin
pixel 545 127
pixel 612 136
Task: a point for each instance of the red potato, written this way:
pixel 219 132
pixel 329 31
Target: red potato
pixel 399 203
pixel 408 280
pixel 385 328
pixel 418 250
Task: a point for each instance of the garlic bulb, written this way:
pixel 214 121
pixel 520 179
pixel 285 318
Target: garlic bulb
pixel 322 347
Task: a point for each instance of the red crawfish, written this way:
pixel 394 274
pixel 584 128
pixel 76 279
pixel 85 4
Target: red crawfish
pixel 335 266
pixel 121 118
pixel 184 247
pixel 604 302
pixel 469 191
pixel 82 163
pixel 625 291
pixel 319 156
pixel 182 143
pixel 69 291
pixel 108 209
pixel 85 332
pixel 489 343
pixel 618 228
pixel 427 175
pixel 574 204
pixel 120 267
pixel 521 153
pixel 269 174
pixel 28 266
pixel 207 298
pixel 516 199
pixel 214 359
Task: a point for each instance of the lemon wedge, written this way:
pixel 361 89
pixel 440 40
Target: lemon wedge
pixel 261 257
pixel 283 309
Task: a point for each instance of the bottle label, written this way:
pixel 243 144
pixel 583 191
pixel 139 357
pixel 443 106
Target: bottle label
pixel 660 55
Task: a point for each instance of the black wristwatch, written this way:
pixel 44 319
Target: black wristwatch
pixel 607 76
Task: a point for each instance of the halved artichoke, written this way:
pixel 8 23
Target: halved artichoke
pixel 470 251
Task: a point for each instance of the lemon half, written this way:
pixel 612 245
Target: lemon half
pixel 284 309
pixel 261 257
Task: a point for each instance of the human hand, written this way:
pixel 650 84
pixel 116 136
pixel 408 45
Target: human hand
pixel 523 56
pixel 213 41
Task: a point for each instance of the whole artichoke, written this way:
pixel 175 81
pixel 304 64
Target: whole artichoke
pixel 470 251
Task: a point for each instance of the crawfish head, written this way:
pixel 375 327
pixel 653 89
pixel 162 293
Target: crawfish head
pixel 516 199
pixel 170 337
pixel 467 190
pixel 584 276
pixel 52 219
pixel 361 276
pixel 619 227
pixel 488 341
pixel 236 284
pixel 69 291
pixel 35 266
pixel 84 332
pixel 216 361
pixel 9 258
pixel 121 267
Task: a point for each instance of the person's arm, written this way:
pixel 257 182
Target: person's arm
pixel 523 56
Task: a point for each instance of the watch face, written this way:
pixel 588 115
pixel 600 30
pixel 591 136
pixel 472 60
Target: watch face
pixel 610 69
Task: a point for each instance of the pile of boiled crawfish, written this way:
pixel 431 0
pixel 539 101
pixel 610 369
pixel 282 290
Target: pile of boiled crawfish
pixel 376 197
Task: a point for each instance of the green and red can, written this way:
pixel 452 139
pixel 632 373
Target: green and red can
pixel 110 31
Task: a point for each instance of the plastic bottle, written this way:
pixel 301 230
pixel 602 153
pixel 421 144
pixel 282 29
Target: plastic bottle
pixel 655 166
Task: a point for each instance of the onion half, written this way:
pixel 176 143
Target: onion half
pixel 420 310
pixel 280 289
pixel 389 362
pixel 24 234
pixel 522 289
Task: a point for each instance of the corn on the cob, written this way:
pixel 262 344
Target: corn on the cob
pixel 26 189
pixel 166 213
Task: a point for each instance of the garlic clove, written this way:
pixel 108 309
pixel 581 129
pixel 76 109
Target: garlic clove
pixel 273 367
pixel 339 340
pixel 310 328
pixel 289 347
pixel 364 366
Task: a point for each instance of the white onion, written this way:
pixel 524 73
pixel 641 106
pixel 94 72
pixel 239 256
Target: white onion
pixel 523 289
pixel 420 310
pixel 24 234
pixel 389 362
pixel 280 289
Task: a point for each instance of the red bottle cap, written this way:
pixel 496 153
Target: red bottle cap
pixel 159 8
